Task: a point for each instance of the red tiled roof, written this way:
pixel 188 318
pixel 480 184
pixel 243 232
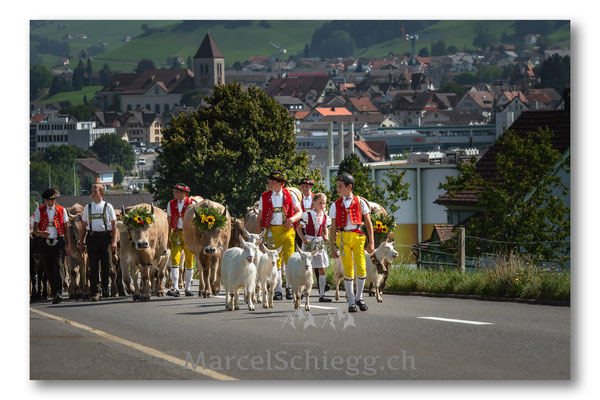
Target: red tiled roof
pixel 327 111
pixel 444 231
pixel 363 104
pixel 175 80
pixel 301 114
pixel 94 165
pixel 373 150
pixel 539 97
pixel 36 119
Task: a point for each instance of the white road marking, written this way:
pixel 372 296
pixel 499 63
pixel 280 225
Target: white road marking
pixel 144 349
pixel 323 307
pixel 460 321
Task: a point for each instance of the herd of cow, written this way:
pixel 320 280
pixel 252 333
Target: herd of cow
pixel 231 252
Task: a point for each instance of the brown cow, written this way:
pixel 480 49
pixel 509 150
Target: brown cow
pixel 208 247
pixel 144 249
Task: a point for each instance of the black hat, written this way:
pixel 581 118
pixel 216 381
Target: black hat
pixel 346 178
pixel 307 181
pixel 182 187
pixel 50 194
pixel 277 176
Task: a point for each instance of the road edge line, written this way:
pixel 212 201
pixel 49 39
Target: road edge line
pixel 144 349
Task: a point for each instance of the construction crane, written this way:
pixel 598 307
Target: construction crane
pixel 280 52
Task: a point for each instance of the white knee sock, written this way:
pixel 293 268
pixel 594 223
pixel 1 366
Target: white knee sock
pixel 188 278
pixel 349 284
pixel 278 286
pixel 360 285
pixel 175 276
pixel 322 279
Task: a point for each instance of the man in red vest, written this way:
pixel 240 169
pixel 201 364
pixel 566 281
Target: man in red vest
pixel 175 213
pixel 347 215
pixel 50 222
pixel 278 211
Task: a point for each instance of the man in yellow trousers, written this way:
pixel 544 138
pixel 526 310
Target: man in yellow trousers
pixel 278 211
pixel 347 215
pixel 175 213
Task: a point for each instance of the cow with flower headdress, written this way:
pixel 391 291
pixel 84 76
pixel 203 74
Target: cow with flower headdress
pixel 206 232
pixel 144 234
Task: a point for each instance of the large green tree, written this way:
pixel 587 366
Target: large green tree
pixel 521 209
pixel 225 150
pixel 39 79
pixel 388 195
pixel 111 149
pixel 555 72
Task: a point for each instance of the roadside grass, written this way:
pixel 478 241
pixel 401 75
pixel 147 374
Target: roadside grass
pixel 511 279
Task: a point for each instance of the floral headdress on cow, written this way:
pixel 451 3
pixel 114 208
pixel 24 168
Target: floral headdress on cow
pixel 138 217
pixel 209 218
pixel 383 225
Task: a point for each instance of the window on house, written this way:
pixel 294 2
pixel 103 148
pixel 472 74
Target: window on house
pixel 157 108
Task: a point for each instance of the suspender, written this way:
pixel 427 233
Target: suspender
pixel 97 216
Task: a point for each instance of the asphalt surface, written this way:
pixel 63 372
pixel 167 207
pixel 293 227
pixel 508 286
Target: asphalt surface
pixel 392 340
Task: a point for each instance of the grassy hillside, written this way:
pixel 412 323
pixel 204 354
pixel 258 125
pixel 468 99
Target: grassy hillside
pixel 243 41
pixel 76 98
pixel 457 33
pixel 236 44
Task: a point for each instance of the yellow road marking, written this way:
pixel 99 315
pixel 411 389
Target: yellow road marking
pixel 144 349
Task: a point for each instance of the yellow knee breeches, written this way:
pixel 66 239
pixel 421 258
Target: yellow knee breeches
pixel 354 253
pixel 177 246
pixel 285 237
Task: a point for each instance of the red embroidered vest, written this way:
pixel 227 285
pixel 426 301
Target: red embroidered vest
pixel 302 202
pixel 175 211
pixel 341 213
pixel 267 207
pixel 310 226
pixel 58 219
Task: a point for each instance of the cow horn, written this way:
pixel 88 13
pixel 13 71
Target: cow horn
pixel 152 208
pixel 123 209
pixel 224 212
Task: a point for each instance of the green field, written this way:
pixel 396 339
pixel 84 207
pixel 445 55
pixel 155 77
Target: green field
pixel 75 98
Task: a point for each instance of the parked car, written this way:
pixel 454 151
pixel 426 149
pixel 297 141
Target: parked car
pixel 141 161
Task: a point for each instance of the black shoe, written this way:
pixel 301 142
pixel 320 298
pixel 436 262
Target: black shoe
pixel 57 299
pixel 188 293
pixel 352 308
pixel 362 305
pixel 288 293
pixel 327 287
pixel 277 296
pixel 176 293
pixel 324 299
pixel 105 293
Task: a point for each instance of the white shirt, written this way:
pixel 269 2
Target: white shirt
pixel 347 201
pixel 307 201
pixel 97 225
pixel 51 212
pixel 317 221
pixel 277 200
pixel 179 208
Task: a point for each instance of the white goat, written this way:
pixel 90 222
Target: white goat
pixel 300 275
pixel 239 271
pixel 267 276
pixel 385 252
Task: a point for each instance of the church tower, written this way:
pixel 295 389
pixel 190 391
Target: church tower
pixel 209 65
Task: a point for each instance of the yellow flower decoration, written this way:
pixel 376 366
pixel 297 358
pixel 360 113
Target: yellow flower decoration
pixel 137 219
pixel 385 229
pixel 210 219
pixel 148 220
pixel 378 224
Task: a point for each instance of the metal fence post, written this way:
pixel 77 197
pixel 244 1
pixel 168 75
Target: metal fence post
pixel 461 249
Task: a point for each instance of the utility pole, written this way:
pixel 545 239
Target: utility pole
pixel 461 249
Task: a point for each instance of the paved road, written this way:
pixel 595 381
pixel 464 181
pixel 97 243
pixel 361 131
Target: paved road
pixel 398 339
